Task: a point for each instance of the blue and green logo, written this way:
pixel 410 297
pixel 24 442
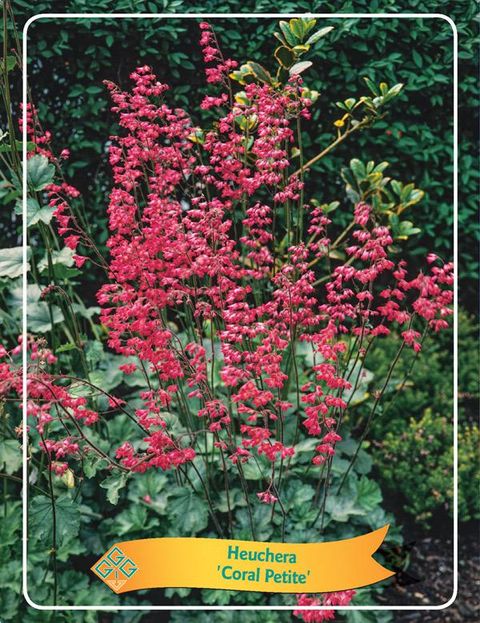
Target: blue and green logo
pixel 115 569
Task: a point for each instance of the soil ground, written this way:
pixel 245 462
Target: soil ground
pixel 429 579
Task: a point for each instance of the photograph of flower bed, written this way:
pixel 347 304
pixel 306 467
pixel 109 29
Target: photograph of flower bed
pixel 229 333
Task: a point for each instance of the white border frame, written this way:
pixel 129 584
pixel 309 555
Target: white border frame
pixel 441 16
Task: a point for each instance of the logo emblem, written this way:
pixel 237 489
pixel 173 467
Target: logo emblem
pixel 115 569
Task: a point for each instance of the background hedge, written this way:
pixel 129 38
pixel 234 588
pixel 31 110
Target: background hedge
pixel 70 59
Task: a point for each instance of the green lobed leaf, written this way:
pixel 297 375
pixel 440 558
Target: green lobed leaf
pixel 40 516
pixel 10 456
pixel 188 512
pixel 113 484
pixel 369 494
pixel 35 212
pixel 39 319
pixel 63 257
pixel 40 172
pixel 11 262
pixel 9 62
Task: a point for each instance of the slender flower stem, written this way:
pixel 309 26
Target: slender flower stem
pixel 53 551
pixel 371 416
pixel 398 392
pixel 362 124
pixel 245 492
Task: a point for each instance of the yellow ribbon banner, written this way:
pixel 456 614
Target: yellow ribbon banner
pixel 243 565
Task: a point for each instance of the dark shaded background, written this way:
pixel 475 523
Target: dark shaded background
pixel 69 59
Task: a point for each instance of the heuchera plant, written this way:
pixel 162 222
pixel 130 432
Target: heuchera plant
pixel 221 270
pixel 208 258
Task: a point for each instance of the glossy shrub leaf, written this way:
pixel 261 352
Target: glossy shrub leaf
pixel 298 68
pixel 358 168
pixel 318 35
pixel 287 33
pixel 297 27
pixel 285 56
pixel 260 72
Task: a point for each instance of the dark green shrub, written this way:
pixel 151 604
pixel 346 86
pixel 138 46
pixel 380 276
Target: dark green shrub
pixel 469 472
pixel 413 437
pixel 418 464
pixel 415 52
